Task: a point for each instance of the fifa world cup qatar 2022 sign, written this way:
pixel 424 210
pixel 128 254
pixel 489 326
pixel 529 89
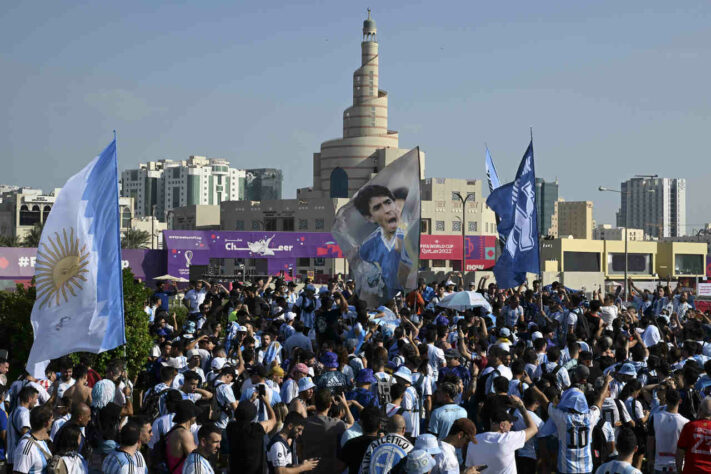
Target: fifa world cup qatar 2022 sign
pixel 281 249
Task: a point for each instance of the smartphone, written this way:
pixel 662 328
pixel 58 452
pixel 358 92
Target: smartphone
pixel 481 468
pixel 262 390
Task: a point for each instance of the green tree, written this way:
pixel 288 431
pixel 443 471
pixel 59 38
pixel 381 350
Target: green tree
pixel 135 239
pixel 17 336
pixel 32 239
pixel 9 241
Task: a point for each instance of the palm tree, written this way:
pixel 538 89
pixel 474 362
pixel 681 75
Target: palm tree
pixel 135 239
pixel 9 241
pixel 32 238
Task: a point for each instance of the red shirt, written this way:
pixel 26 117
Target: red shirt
pixel 695 440
pixel 92 377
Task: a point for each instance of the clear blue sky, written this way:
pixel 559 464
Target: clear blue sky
pixel 611 88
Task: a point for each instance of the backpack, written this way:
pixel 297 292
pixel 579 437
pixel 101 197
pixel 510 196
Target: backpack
pixel 151 408
pixel 551 377
pixel 480 392
pixel 56 466
pixel 582 327
pixel 599 447
pixel 158 462
pixel 215 408
pixel 690 401
pixel 383 390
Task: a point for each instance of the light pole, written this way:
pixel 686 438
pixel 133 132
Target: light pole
pixel 464 229
pixel 626 193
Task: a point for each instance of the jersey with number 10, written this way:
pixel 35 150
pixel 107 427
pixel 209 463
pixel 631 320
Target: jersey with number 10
pixel 574 436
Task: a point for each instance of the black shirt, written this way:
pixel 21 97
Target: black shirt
pixel 353 451
pixel 247 451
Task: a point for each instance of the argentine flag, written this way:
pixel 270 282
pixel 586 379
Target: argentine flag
pixel 79 305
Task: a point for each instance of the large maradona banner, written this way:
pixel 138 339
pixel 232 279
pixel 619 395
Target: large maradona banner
pixel 379 231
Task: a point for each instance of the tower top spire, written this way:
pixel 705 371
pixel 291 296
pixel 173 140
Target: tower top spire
pixel 369 29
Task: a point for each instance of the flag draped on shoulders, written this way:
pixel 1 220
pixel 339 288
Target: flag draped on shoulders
pixel 515 206
pixel 79 305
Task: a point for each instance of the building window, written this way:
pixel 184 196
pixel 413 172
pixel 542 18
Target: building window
pixel 339 183
pixel 303 262
pixel 439 226
pixel 239 224
pixel 319 224
pixel 270 223
pixel 319 262
pixel 471 226
pixel 455 196
pixel 425 226
pixel 125 218
pixel 456 226
pixel 288 224
pixel 256 225
pixel 439 263
pixel 303 224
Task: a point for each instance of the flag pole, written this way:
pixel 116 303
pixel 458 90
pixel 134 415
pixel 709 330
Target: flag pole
pixel 540 271
pixel 124 344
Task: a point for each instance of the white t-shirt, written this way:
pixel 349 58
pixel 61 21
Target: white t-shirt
pixel 63 386
pixel 279 456
pixel 496 450
pixel 18 419
pixel 651 335
pixel 667 428
pixel 436 359
pixel 608 315
pixel 75 464
pixel 446 461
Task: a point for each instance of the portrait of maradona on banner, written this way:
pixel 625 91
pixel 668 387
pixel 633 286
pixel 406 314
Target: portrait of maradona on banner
pixel 379 231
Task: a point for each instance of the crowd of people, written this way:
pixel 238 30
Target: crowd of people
pixel 270 376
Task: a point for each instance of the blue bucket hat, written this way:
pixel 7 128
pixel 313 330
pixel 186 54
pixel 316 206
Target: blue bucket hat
pixel 330 360
pixel 366 376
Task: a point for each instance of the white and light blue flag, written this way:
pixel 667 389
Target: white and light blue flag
pixel 491 174
pixel 79 305
pixel 515 206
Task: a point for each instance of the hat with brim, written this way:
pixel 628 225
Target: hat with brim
pixel 428 442
pixel 172 362
pixel 330 360
pixel 305 384
pixel 419 462
pixel 366 376
pixel 404 373
pixel 627 369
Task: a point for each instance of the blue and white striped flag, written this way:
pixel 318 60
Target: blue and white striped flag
pixel 491 174
pixel 79 305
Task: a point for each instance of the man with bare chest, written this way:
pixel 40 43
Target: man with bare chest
pixel 80 391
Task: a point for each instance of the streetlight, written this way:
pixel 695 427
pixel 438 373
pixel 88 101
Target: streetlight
pixel 626 193
pixel 464 200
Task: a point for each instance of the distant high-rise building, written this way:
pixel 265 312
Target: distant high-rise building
pixel 168 184
pixel 655 205
pixel 575 218
pixel 263 184
pixel 546 197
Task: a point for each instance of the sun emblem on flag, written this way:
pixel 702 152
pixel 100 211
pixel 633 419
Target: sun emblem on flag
pixel 60 268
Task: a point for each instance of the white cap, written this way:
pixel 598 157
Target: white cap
pixel 536 335
pixel 192 353
pixel 217 363
pixel 290 315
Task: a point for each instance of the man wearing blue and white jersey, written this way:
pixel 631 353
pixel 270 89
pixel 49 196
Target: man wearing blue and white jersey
pixel 385 247
pixel 33 452
pixel 574 422
pixel 197 462
pixel 442 418
pixel 127 458
pixel 18 422
pixel 526 457
pixel 626 448
pixel 224 396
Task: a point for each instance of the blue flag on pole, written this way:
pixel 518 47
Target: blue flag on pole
pixel 491 174
pixel 515 205
pixel 79 305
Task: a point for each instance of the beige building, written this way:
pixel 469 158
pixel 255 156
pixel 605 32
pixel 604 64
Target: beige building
pixel 22 208
pixel 607 232
pixel 574 218
pixel 198 217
